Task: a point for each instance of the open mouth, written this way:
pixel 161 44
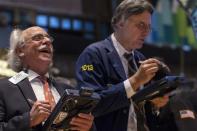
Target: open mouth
pixel 45 49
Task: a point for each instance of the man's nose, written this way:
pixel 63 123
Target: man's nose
pixel 47 39
pixel 145 33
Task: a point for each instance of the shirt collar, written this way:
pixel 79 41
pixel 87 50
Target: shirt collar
pixel 32 75
pixel 119 48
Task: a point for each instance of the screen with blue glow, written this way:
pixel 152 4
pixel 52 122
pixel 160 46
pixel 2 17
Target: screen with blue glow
pixel 66 24
pixel 42 20
pixel 77 25
pixel 7 16
pixel 89 26
pixel 54 22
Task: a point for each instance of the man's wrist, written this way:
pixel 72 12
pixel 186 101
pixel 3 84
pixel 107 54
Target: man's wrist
pixel 128 88
pixel 134 83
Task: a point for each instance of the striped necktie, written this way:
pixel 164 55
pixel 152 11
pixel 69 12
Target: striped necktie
pixel 131 63
pixel 132 68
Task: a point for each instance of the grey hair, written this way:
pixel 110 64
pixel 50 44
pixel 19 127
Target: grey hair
pixel 16 41
pixel 130 7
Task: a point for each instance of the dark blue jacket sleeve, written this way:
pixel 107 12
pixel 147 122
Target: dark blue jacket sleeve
pixel 93 70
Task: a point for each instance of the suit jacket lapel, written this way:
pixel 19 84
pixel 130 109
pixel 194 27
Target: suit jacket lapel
pixel 138 57
pixel 27 91
pixel 115 59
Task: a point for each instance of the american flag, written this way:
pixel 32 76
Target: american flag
pixel 187 114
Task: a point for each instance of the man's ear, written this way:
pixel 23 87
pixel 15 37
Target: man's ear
pixel 120 23
pixel 19 52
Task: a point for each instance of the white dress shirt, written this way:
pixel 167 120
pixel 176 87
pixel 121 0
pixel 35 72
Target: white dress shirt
pixel 132 124
pixel 38 88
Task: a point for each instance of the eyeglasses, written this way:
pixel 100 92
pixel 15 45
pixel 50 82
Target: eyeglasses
pixel 40 37
pixel 143 27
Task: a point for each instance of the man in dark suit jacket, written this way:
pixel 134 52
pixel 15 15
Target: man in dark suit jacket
pixel 27 99
pixel 103 67
pixel 183 109
pixel 14 104
pixel 180 114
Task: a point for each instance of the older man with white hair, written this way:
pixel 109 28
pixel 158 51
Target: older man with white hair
pixel 28 98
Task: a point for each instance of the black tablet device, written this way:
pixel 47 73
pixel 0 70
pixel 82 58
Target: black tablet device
pixel 70 104
pixel 158 88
